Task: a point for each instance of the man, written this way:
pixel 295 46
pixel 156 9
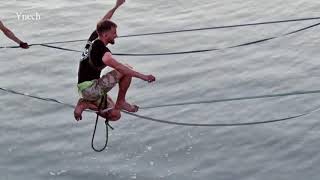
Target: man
pixel 96 57
pixel 10 35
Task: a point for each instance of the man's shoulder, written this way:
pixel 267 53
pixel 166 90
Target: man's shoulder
pixel 98 44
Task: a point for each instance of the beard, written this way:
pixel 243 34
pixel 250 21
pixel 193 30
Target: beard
pixel 111 42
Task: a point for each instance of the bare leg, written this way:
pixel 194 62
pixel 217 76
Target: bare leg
pixel 121 103
pixel 83 105
pixel 110 112
pixel 109 102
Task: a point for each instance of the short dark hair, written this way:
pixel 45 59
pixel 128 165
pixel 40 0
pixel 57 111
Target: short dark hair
pixel 105 25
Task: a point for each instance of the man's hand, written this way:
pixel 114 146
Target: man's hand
pixel 24 45
pixel 119 3
pixel 149 78
pixel 111 11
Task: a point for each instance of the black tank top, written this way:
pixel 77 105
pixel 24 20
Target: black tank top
pixel 91 61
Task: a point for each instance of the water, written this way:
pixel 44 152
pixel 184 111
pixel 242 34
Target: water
pixel 40 140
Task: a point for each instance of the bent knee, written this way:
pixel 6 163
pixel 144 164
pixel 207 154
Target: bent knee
pixel 116 74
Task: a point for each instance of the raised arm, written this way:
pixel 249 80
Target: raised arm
pixel 10 35
pixel 108 60
pixel 111 11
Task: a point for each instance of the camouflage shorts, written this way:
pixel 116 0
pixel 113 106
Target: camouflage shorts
pixel 100 86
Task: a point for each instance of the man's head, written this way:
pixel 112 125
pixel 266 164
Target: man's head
pixel 107 31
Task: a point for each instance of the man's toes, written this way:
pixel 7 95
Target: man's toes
pixel 77 114
pixel 129 107
pixel 135 108
pixel 78 118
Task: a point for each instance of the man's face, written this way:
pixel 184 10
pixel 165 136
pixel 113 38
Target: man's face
pixel 112 35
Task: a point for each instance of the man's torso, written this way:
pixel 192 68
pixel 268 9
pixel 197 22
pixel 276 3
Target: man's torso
pixel 91 62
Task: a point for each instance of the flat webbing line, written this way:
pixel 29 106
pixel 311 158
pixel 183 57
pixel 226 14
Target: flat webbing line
pixel 295 93
pixel 195 51
pixel 186 30
pixel 171 122
pixel 223 124
pixel 60 48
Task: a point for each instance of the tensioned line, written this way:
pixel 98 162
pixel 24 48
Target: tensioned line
pixel 186 30
pixel 197 124
pixel 193 51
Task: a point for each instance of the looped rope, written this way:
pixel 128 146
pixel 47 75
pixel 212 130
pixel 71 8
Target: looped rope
pixel 107 134
pixel 95 128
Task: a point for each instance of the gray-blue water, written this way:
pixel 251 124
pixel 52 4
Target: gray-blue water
pixel 41 140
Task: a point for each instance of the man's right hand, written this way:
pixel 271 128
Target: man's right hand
pixel 119 2
pixel 150 78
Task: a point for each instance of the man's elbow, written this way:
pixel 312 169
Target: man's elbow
pixel 125 71
pixel 107 61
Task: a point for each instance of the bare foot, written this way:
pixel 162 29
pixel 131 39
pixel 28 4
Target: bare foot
pixel 110 114
pixel 130 107
pixel 78 110
pixel 81 106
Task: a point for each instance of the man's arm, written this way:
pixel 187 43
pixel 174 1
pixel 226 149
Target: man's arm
pixel 111 11
pixel 10 35
pixel 108 60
